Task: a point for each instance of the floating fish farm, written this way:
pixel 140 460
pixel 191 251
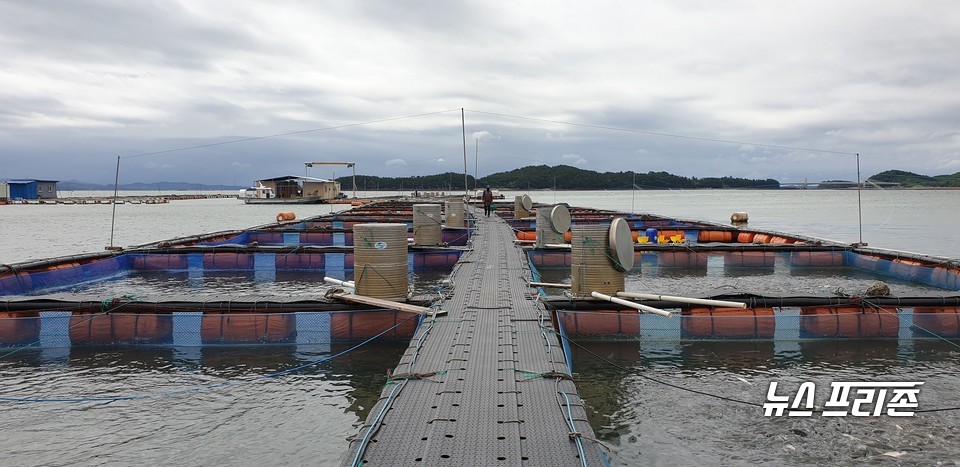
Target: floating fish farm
pixel 487 305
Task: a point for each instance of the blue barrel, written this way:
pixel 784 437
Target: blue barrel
pixel 651 234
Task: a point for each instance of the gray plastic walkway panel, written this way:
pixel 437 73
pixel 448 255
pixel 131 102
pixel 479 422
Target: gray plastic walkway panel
pixel 486 384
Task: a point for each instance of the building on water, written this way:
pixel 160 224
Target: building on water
pixel 293 189
pixel 28 188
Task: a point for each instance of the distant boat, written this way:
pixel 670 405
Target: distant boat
pixel 292 190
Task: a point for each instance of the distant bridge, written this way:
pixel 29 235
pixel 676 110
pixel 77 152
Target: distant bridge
pixel 835 184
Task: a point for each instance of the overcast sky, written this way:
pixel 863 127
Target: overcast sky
pixel 598 85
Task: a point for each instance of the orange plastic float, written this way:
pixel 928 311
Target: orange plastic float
pixel 286 216
pixel 366 324
pixel 721 236
pixel 94 328
pixel 601 322
pixel 19 328
pixel 816 258
pixel 749 259
pixel 848 321
pixel 943 322
pixel 247 327
pixel 710 322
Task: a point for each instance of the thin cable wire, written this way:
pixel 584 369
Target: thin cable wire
pixel 668 135
pixel 209 386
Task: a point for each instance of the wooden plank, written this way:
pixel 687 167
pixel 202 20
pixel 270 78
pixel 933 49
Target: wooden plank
pixel 379 302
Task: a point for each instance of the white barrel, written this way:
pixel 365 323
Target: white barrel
pixel 380 260
pixel 545 231
pixel 591 269
pixel 426 224
pixel 519 211
pixel 454 214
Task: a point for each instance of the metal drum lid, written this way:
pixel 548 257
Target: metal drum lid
pixel 560 219
pixel 621 244
pixel 526 202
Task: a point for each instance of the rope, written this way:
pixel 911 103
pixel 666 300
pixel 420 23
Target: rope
pixel 695 391
pixel 206 387
pixel 858 300
pixel 105 306
pixel 649 378
pixel 529 375
pixel 574 433
pixel 421 376
pixel 376 424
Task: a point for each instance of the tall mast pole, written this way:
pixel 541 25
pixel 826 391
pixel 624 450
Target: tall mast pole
pixel 354 166
pixel 463 128
pixel 859 200
pixel 113 217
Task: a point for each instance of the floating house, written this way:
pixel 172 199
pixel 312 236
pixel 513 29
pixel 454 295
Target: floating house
pixel 28 189
pixel 293 189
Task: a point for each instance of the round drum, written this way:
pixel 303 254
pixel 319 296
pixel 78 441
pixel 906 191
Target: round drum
pixel 426 224
pixel 545 231
pixel 380 260
pixel 591 268
pixel 454 214
pixel 520 212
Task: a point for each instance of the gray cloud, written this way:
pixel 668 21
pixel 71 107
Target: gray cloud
pixel 83 82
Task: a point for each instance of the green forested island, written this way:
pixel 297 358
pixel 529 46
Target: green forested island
pixel 912 180
pixel 565 177
pixel 561 177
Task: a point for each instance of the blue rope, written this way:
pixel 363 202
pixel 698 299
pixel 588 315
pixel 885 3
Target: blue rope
pixel 573 430
pixel 376 422
pixel 566 345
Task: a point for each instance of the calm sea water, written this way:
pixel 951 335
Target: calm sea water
pixel 203 406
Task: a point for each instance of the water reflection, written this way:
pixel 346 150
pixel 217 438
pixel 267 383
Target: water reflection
pixel 647 422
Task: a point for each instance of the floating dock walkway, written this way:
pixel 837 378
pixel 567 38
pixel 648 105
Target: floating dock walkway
pixel 487 384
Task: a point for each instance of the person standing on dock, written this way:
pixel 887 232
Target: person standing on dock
pixel 487 199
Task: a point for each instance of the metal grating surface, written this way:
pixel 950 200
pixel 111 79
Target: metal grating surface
pixel 477 386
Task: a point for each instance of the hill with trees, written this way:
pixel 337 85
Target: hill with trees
pixel 561 177
pixel 910 179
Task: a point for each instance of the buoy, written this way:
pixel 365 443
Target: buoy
pixel 247 327
pixel 739 218
pixel 356 325
pixel 527 236
pixel 848 321
pixel 623 323
pixel 91 328
pixel 721 236
pixel 756 323
pixel 19 328
pixel 938 321
pixel 286 216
